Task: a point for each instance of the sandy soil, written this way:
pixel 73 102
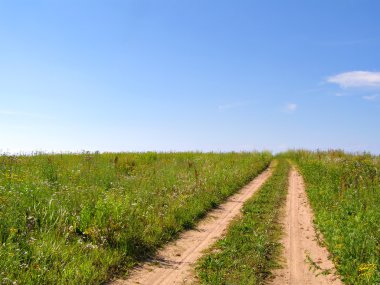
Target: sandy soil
pixel 305 261
pixel 174 263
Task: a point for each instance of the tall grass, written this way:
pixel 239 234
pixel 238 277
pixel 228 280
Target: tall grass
pixel 344 191
pixel 78 219
pixel 249 251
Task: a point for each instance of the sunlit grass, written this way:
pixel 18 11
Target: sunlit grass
pixel 249 251
pixel 78 219
pixel 344 191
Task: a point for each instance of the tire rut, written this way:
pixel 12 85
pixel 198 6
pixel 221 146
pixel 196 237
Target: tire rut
pixel 174 264
pixel 306 262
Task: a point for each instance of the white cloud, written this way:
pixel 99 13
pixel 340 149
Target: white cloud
pixel 23 114
pixel 230 106
pixel 290 108
pixel 370 97
pixel 356 79
pixel 344 42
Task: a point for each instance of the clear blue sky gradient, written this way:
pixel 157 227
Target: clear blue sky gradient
pixel 209 75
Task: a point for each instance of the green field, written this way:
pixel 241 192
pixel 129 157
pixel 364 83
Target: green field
pixel 344 191
pixel 79 219
pixel 248 253
pixel 83 218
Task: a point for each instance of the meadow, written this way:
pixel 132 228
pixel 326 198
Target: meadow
pixel 82 218
pixel 251 248
pixel 344 191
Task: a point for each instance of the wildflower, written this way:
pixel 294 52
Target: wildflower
pixel 31 240
pixel 367 270
pixel 90 246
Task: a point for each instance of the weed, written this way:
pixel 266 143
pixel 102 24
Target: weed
pixel 344 192
pixel 250 249
pixel 80 218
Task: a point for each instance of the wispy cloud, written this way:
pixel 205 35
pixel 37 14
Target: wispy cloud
pixel 290 108
pixel 22 114
pixel 356 79
pixel 344 42
pixel 314 90
pixel 224 107
pixel 370 97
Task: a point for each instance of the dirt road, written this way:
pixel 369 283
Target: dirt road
pixel 305 261
pixel 174 263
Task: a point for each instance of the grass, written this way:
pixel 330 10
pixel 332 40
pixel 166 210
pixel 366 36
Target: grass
pixel 81 218
pixel 248 253
pixel 344 191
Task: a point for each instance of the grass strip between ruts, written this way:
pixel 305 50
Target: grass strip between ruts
pixel 248 253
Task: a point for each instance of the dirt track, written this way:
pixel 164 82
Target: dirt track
pixel 174 263
pixel 306 262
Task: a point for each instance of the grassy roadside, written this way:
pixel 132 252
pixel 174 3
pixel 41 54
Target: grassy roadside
pixel 344 192
pixel 78 218
pixel 247 254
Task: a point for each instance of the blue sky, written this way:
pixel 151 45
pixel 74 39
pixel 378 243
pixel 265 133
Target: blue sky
pixel 210 75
